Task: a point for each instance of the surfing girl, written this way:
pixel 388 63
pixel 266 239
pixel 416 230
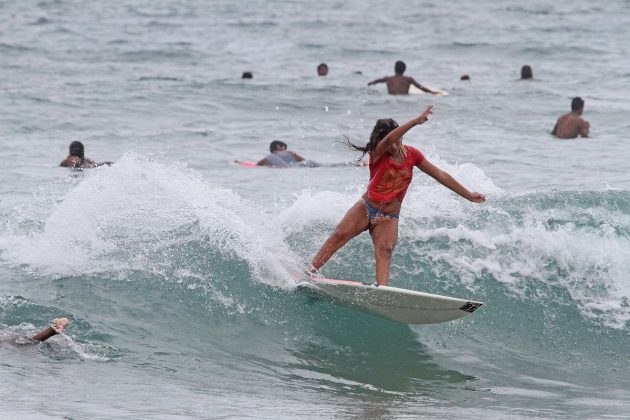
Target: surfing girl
pixel 391 170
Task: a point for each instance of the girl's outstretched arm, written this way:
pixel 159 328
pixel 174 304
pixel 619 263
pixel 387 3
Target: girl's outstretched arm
pixel 399 131
pixel 448 181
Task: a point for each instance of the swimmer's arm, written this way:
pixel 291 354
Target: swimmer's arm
pixel 86 163
pixel 398 132
pixel 70 162
pixel 422 88
pixel 58 325
pixel 584 128
pixel 44 335
pixel 449 182
pixel 263 162
pixel 296 156
pixel 381 80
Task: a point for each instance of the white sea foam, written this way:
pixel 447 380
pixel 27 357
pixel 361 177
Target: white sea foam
pixel 507 237
pixel 590 262
pixel 119 218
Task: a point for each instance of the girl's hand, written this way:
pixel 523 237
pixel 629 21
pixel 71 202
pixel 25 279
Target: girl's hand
pixel 476 197
pixel 425 115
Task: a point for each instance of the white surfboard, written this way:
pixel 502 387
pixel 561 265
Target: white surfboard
pixel 417 91
pixel 402 305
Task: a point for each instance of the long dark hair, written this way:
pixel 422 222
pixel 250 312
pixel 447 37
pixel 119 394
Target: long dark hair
pixel 381 129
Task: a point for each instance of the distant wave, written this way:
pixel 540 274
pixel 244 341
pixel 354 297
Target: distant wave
pixel 470 44
pixel 160 78
pixel 155 13
pixel 41 21
pixel 8 48
pixel 244 23
pixel 526 10
pixel 153 55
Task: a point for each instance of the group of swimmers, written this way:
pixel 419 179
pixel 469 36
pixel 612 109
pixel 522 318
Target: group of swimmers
pixel 568 126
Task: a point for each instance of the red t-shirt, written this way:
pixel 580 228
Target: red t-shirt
pixel 389 180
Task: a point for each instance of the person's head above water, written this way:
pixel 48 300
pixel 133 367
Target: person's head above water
pixel 322 69
pixel 77 149
pixel 400 67
pixel 381 129
pixel 526 72
pixel 577 104
pixel 277 146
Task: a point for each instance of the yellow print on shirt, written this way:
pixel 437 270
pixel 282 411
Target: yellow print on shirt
pixel 394 181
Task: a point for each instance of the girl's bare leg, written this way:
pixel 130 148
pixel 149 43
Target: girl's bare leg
pixel 384 238
pixel 354 222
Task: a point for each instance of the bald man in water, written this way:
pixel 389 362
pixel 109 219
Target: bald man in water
pixel 570 125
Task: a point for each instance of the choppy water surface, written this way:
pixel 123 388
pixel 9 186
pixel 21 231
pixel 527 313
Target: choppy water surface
pixel 177 266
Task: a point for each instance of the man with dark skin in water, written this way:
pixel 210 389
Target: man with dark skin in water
pixel 399 84
pixel 570 125
pixel 322 69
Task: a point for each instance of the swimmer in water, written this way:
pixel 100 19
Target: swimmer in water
pixel 57 326
pixel 280 157
pixel 77 159
pixel 398 84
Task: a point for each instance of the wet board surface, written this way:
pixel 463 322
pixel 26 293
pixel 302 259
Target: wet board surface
pixel 416 91
pixel 402 305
